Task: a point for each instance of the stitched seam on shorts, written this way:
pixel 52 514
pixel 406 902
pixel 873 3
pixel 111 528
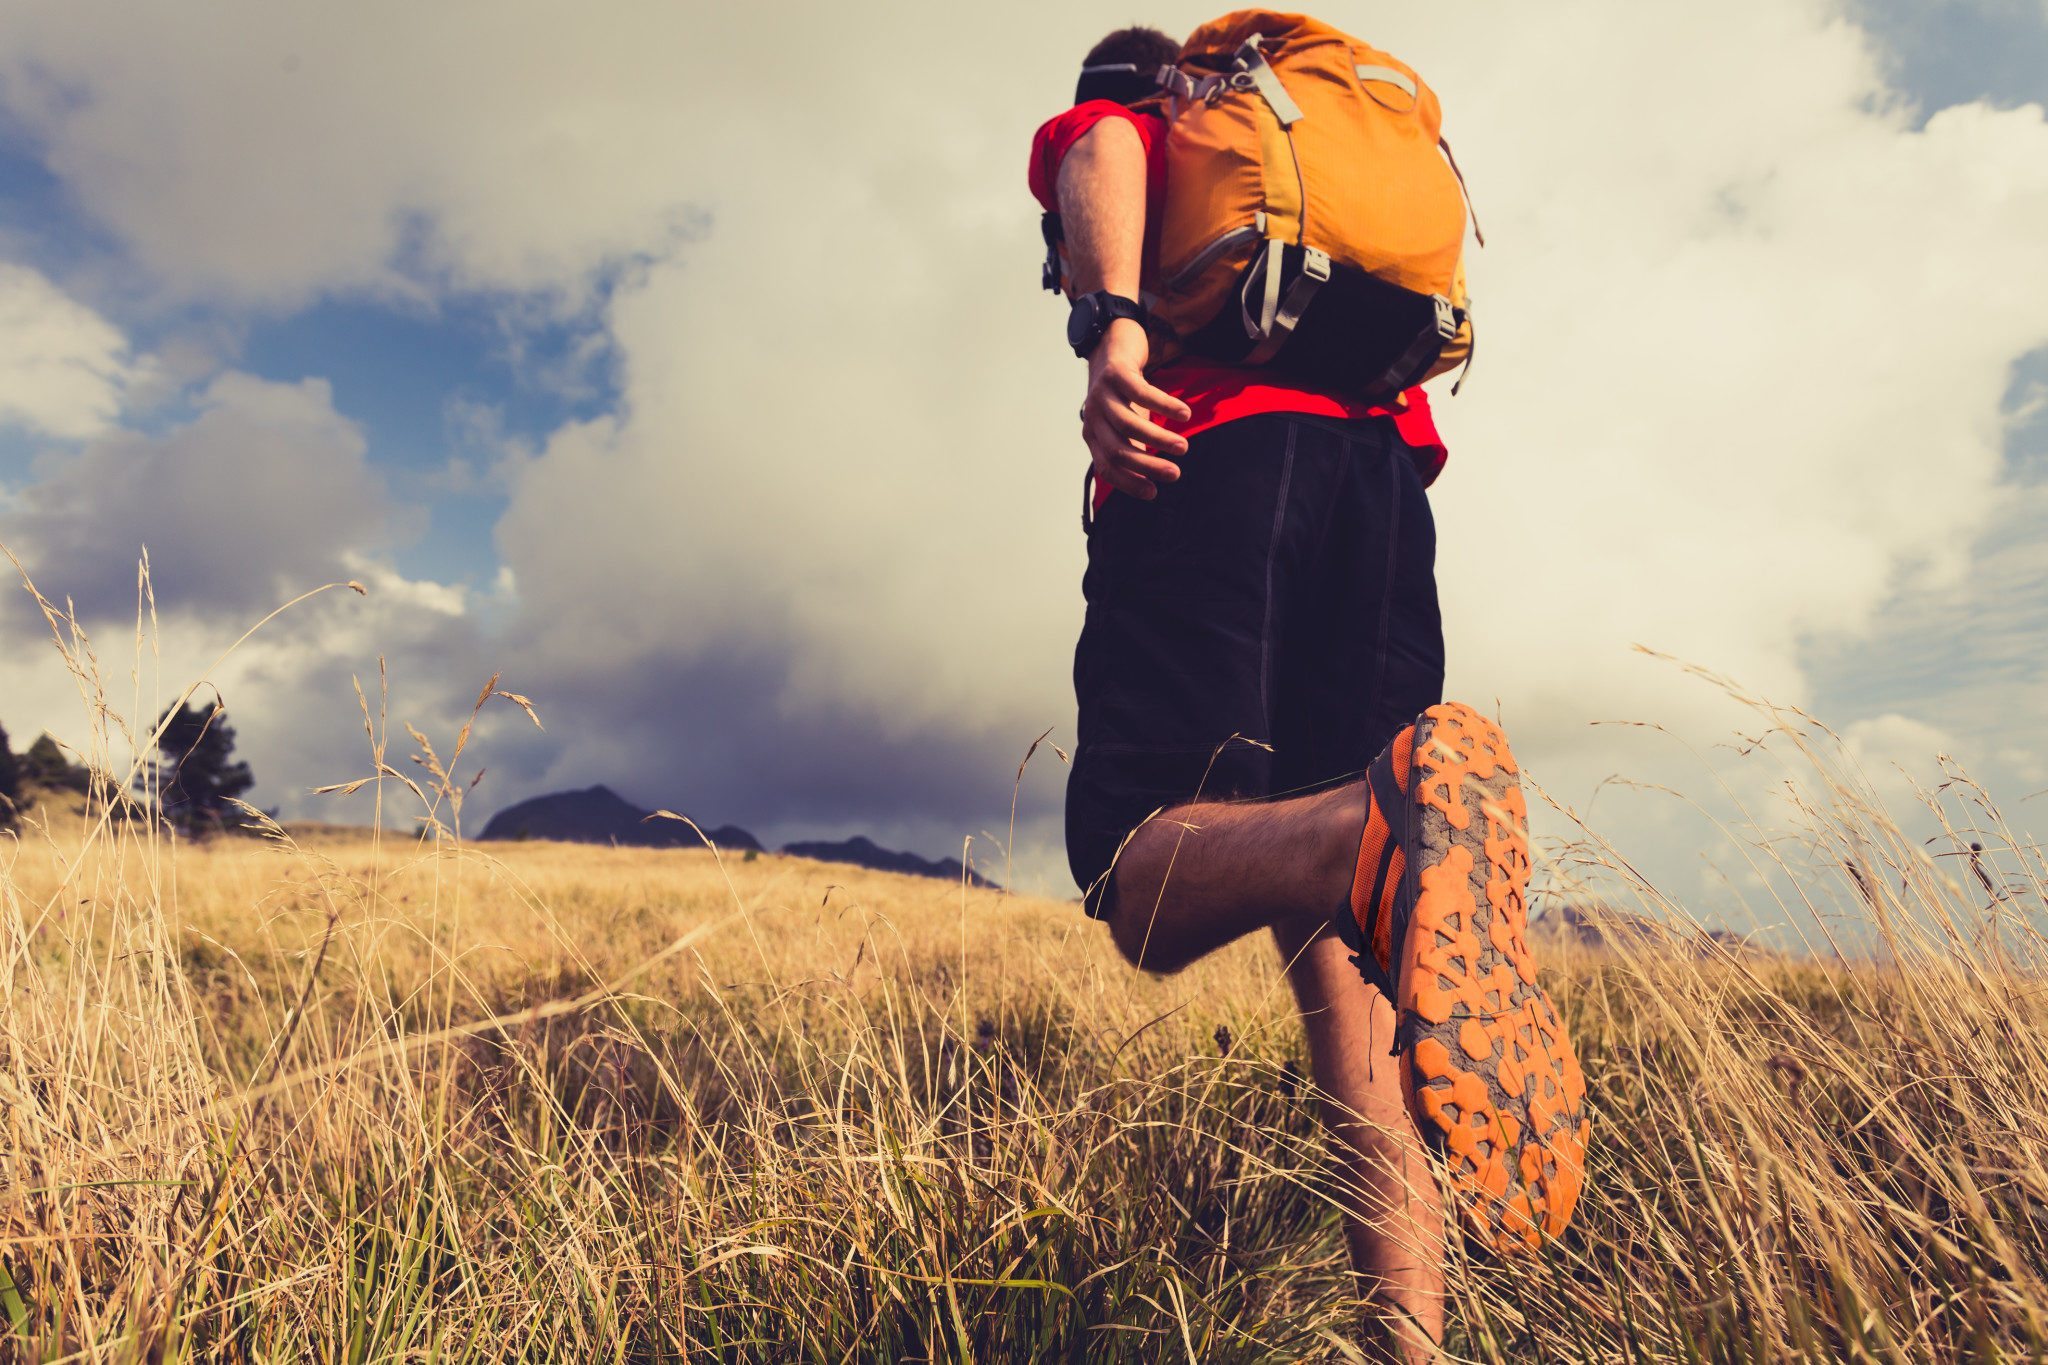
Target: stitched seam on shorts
pixel 1272 556
pixel 1352 443
pixel 1379 671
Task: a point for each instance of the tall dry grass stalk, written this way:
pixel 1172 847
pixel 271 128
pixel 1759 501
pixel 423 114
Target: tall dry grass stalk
pixel 336 1095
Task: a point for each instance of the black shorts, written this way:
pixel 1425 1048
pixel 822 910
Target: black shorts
pixel 1263 628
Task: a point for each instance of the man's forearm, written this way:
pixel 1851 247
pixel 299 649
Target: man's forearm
pixel 1102 209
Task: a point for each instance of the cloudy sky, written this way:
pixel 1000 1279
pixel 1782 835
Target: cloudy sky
pixel 687 365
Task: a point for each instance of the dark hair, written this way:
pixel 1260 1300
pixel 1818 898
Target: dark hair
pixel 1142 50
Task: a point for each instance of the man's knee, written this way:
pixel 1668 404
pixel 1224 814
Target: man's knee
pixel 1128 935
pixel 1131 928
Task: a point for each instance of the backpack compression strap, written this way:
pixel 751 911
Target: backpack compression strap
pixel 1253 72
pixel 1434 335
pixel 1278 317
pixel 1266 81
pixel 1463 189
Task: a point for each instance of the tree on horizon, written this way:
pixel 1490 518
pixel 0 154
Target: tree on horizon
pixel 10 784
pixel 45 765
pixel 197 780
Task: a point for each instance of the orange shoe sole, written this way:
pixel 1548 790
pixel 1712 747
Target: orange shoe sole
pixel 1490 1075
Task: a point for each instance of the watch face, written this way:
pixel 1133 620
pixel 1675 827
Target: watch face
pixel 1084 322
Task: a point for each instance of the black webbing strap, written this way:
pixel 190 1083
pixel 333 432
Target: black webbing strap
pixel 1050 229
pixel 1428 344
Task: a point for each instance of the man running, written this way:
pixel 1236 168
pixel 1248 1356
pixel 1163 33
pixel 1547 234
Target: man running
pixel 1262 742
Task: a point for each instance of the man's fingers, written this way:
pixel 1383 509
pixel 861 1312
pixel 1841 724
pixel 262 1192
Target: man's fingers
pixel 1127 424
pixel 1148 466
pixel 1130 449
pixel 1136 389
pixel 1125 467
pixel 1136 485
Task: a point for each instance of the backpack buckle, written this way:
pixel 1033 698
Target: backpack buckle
pixel 1446 317
pixel 1255 73
pixel 1240 77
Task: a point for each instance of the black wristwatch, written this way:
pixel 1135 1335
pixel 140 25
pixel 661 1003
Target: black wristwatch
pixel 1092 315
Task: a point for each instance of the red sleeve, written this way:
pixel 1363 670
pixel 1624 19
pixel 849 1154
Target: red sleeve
pixel 1049 146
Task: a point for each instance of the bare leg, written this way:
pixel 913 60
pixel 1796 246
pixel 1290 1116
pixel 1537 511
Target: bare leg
pixel 1196 877
pixel 1394 1223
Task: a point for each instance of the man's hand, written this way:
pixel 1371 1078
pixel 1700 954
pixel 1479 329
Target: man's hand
pixel 1128 447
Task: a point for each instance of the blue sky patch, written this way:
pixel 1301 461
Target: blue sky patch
pixel 415 381
pixel 1962 50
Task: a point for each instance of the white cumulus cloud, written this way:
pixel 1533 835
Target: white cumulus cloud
pixel 63 367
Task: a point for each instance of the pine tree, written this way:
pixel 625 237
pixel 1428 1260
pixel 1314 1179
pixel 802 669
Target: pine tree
pixel 10 784
pixel 197 780
pixel 44 765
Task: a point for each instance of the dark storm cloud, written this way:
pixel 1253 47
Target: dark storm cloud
pixel 263 494
pixel 724 733
pixel 719 736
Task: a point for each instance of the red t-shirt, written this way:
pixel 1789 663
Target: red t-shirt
pixel 1218 393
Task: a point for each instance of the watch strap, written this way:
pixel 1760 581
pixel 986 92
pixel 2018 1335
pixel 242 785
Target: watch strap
pixel 1106 308
pixel 1116 306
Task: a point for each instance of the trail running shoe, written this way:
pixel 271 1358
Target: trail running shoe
pixel 1440 927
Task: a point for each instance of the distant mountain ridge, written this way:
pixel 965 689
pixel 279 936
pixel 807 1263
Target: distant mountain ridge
pixel 599 815
pixel 862 851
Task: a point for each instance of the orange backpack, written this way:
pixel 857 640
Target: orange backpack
pixel 1314 220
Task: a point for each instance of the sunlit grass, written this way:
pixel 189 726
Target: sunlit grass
pixel 324 1095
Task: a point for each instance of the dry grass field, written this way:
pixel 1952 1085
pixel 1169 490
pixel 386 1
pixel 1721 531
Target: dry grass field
pixel 318 1095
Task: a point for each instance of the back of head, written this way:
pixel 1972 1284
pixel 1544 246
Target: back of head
pixel 1124 65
